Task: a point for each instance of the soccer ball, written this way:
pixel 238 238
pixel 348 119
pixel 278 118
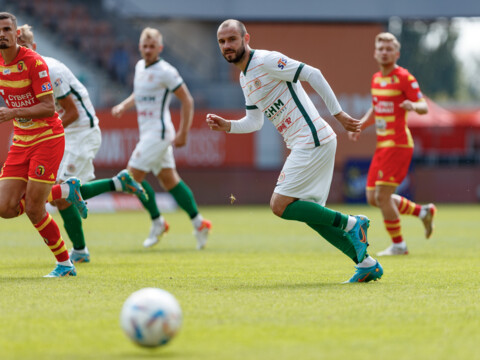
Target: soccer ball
pixel 151 317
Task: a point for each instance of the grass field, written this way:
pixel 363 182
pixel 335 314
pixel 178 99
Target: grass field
pixel 264 288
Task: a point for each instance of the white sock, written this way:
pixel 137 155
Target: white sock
pixel 65 263
pixel 81 251
pixel 117 184
pixel 65 190
pixel 352 220
pixel 400 245
pixel 423 212
pixel 197 221
pixel 367 262
pixel 160 221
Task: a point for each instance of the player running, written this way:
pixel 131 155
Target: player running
pixel 38 141
pixel 271 85
pixel 82 141
pixel 154 83
pixel 395 92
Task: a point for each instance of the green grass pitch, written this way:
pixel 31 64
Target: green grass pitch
pixel 264 288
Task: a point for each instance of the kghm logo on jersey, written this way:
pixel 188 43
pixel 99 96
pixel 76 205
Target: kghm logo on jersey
pixel 40 170
pixel 6 71
pixel 282 62
pixel 46 87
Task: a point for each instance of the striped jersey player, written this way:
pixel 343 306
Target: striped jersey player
pixel 38 142
pixel 82 142
pixel 271 84
pixel 395 92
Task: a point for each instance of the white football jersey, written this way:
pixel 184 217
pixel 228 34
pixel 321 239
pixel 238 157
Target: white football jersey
pixel 153 87
pixel 270 83
pixel 64 84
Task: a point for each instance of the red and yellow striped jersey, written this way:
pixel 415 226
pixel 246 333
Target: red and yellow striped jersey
pixel 388 92
pixel 22 82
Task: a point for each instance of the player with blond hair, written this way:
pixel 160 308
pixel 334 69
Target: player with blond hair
pixel 154 83
pixel 395 92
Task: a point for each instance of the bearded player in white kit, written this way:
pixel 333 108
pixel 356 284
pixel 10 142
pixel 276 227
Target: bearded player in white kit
pixel 271 85
pixel 154 83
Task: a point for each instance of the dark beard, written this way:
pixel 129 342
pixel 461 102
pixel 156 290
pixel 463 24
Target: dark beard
pixel 4 46
pixel 238 55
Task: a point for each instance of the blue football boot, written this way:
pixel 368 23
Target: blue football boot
pixel 367 274
pixel 75 197
pixel 129 185
pixel 62 271
pixel 358 236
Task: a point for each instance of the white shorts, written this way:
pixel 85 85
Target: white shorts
pixel 80 150
pixel 152 154
pixel 307 173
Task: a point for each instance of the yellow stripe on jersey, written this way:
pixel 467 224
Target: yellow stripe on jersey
pixel 388 80
pixel 39 141
pixel 385 118
pixel 386 92
pixel 385 132
pixel 29 138
pixel 45 93
pixel 36 124
pixel 19 67
pixel 15 84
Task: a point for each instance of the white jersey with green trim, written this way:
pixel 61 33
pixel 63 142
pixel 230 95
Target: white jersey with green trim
pixel 65 84
pixel 153 86
pixel 270 84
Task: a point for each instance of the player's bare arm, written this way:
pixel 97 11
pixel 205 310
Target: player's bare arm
pixel 186 115
pixel 128 103
pixel 218 123
pixel 420 107
pixel 45 108
pixel 70 110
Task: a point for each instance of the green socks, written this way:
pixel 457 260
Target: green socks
pixel 96 187
pixel 313 213
pixel 150 205
pixel 328 223
pixel 73 226
pixel 184 198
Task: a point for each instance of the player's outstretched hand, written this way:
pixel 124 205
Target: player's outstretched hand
pixel 217 123
pixel 349 123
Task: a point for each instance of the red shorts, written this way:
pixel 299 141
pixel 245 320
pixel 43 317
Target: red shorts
pixel 39 162
pixel 389 166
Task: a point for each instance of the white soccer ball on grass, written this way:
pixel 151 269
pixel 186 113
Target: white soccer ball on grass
pixel 151 317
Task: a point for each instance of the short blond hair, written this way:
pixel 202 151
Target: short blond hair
pixel 26 34
pixel 388 37
pixel 151 33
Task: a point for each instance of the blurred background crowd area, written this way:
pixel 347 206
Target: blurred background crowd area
pixel 98 40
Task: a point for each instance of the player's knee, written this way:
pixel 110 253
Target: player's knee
pixel 8 209
pixel 277 208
